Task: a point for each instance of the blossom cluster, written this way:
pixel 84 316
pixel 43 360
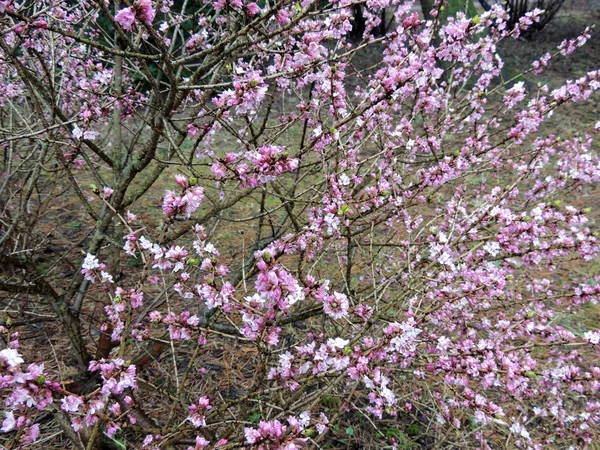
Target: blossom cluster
pixel 266 164
pixel 142 10
pixel 186 203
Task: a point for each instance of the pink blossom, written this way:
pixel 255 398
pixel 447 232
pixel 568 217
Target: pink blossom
pixel 182 181
pixel 126 18
pixel 252 9
pixel 218 170
pixel 4 5
pixel 197 411
pixel 9 422
pixel 71 403
pixel 188 203
pixel 593 337
pixel 145 11
pixel 336 305
pixel 11 357
pixel 201 443
pixel 267 431
pixel 90 266
pixel 31 435
pixel 321 425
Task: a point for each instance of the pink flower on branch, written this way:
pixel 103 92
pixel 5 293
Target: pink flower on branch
pixel 186 203
pixel 142 11
pixel 126 18
pixel 145 11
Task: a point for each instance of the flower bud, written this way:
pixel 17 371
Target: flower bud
pixel 182 181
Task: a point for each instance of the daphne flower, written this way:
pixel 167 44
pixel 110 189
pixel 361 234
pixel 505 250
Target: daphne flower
pixel 171 203
pixel 11 357
pixel 218 170
pixel 71 403
pixel 188 203
pixel 77 132
pixel 337 343
pixel 272 430
pixel 126 18
pixel 197 411
pixel 593 337
pixel 3 5
pixel 145 243
pixel 321 425
pixel 493 248
pixel 182 181
pixel 333 223
pixel 192 200
pixel 136 298
pixel 520 430
pixel 131 217
pixel 90 264
pixel 145 12
pixel 9 422
pixel 252 9
pixel 201 443
pixel 336 305
pixel 106 277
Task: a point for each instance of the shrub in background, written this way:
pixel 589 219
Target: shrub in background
pixel 517 9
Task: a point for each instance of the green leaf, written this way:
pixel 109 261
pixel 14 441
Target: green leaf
pixel 343 210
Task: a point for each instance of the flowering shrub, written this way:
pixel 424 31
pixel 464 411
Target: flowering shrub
pixel 381 248
pixel 518 9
